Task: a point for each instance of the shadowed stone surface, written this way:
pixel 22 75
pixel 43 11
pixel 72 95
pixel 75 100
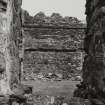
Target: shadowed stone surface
pixel 93 85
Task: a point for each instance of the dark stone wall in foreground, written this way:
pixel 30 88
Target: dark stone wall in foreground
pixel 95 44
pixel 94 62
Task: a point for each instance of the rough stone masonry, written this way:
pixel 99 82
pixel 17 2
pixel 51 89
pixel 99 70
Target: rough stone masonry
pixel 10 31
pixel 51 46
pixel 94 62
pixel 95 47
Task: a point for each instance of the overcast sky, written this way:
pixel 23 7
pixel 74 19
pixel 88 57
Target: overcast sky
pixel 75 8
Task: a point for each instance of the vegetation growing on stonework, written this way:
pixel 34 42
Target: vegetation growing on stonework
pixel 56 57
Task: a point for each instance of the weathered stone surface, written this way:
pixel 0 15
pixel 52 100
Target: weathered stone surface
pixel 10 30
pixel 48 50
pixel 53 38
pixel 94 62
pixel 65 63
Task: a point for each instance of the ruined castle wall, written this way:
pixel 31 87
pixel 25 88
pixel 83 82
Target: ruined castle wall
pixel 10 31
pixel 94 64
pixel 52 51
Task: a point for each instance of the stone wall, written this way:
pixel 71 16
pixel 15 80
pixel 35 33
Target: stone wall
pixel 60 39
pixel 10 31
pixel 94 62
pixel 63 63
pixel 52 49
